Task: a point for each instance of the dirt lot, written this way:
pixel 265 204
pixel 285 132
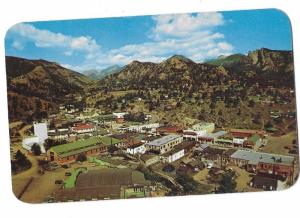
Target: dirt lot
pixel 42 185
pixel 276 144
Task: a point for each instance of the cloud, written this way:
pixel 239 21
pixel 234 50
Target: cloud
pixel 192 35
pixel 47 39
pixel 179 25
pixel 17 45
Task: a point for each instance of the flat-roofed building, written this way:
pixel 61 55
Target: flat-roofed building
pixel 205 127
pixel 267 163
pixel 164 144
pixel 174 154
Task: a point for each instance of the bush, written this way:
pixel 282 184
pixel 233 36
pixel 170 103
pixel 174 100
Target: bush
pixel 20 163
pixel 227 184
pixel 168 168
pixel 188 183
pixel 81 157
pixel 36 149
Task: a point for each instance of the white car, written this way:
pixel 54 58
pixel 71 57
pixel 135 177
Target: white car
pixel 210 165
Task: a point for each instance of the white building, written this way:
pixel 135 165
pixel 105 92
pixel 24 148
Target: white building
pixel 206 127
pixel 164 144
pixel 84 128
pixel 136 149
pixel 119 114
pixel 41 131
pixel 192 134
pixel 238 141
pixel 28 142
pixel 174 155
pixel 150 127
pixel 40 135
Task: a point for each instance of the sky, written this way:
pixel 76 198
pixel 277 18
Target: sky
pixel 99 43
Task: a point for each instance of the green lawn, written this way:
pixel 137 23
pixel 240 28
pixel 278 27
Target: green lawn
pixel 98 162
pixel 71 181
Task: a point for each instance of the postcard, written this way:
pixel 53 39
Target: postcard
pixel 151 106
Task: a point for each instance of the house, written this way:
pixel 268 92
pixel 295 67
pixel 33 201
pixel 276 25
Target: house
pixel 265 183
pixel 259 162
pixel 149 159
pixel 205 127
pixel 84 128
pixel 164 144
pixel 105 184
pixel 137 148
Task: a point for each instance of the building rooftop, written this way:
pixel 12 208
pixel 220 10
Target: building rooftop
pixel 255 157
pixel 96 178
pixel 163 140
pixel 83 126
pixel 216 135
pixel 82 145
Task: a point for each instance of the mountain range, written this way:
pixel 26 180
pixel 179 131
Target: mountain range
pixel 36 87
pixel 100 74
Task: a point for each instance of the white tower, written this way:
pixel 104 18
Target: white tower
pixel 41 131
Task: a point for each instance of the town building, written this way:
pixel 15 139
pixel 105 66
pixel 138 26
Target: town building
pixel 119 117
pixel 174 154
pixel 265 183
pixel 204 127
pixel 166 130
pixel 164 144
pixel 242 133
pixel 211 137
pixel 149 159
pixel 192 135
pixel 84 128
pixel 137 148
pixel 68 153
pixel 144 128
pixel 258 162
pixel 41 131
pixel 40 135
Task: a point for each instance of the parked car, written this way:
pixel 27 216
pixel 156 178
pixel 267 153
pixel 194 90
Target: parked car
pixel 209 165
pixel 58 182
pixel 65 166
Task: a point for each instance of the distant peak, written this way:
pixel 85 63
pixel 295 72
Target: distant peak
pixel 180 58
